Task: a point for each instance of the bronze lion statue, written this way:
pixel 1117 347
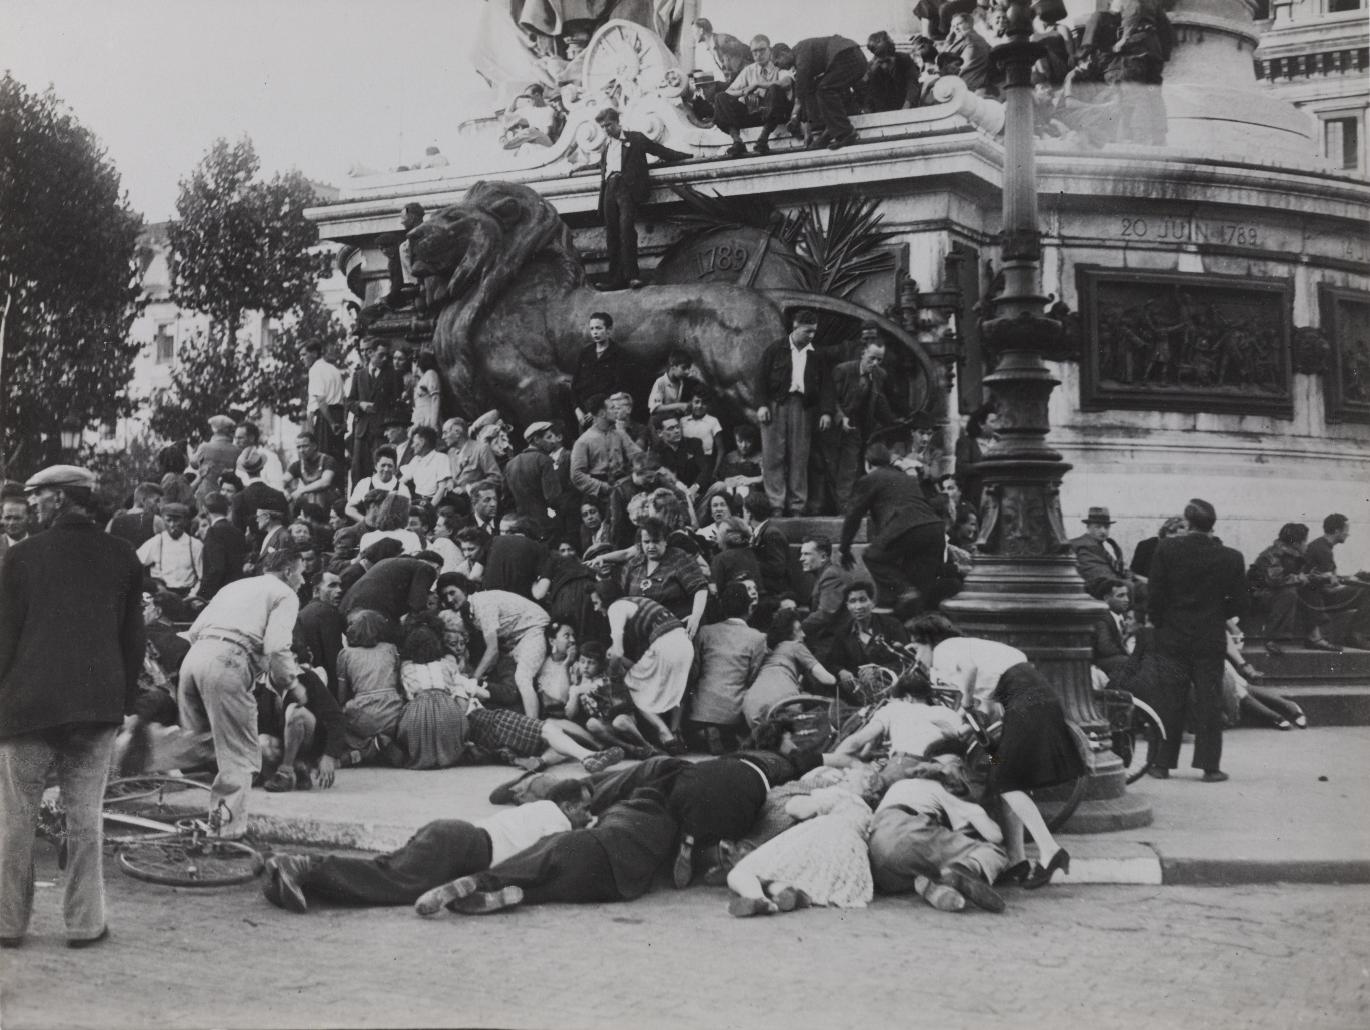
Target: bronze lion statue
pixel 512 305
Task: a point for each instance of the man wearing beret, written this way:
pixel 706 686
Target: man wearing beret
pixel 66 682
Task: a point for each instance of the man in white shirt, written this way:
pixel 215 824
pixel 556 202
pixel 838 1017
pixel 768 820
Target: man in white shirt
pixel 173 557
pixel 925 839
pixel 423 869
pixel 247 627
pixel 324 408
pixel 428 472
pixel 384 478
pixel 761 95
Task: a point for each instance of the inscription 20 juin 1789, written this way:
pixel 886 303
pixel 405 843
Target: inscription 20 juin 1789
pixel 1188 229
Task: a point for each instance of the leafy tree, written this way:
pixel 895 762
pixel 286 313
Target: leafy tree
pixel 209 378
pixel 241 244
pixel 68 276
pixel 285 376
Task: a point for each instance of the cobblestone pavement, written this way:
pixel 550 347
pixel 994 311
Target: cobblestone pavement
pixel 1156 957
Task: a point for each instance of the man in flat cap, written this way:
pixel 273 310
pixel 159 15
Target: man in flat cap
pixel 533 479
pixel 1196 585
pixel 174 559
pixel 215 456
pixel 66 682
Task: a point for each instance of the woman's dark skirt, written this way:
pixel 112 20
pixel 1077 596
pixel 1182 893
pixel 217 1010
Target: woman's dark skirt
pixel 1037 748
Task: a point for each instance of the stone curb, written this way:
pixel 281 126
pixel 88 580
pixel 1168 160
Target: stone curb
pixel 1222 872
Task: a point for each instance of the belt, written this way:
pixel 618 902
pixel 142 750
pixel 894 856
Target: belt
pixel 905 809
pixel 235 641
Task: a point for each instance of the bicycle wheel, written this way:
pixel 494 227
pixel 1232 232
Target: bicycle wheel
pixel 1058 803
pixel 1138 746
pixel 191 862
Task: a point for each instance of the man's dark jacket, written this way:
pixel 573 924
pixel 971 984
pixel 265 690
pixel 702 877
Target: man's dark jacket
pixel 71 628
pixel 773 380
pixel 636 177
pixel 1196 585
pixel 395 587
pixel 224 554
pixel 895 502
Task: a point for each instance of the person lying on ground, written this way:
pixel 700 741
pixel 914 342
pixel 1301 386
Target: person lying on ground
pixel 438 853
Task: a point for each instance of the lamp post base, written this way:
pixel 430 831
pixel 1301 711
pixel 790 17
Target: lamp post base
pixel 1038 606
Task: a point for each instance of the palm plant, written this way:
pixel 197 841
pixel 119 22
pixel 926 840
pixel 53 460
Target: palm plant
pixel 841 252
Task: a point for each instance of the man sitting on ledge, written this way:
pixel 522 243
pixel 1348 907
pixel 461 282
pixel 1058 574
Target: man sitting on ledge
pixel 1337 593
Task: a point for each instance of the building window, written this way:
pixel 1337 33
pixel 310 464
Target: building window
pixel 1342 6
pixel 165 344
pixel 1341 141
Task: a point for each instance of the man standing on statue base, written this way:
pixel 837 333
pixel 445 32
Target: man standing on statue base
pixel 1196 585
pixel 624 184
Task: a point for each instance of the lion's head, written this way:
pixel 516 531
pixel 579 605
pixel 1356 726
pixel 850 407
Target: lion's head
pixel 485 240
pixel 468 254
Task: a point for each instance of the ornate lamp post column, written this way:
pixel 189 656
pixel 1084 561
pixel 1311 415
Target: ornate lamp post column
pixel 1025 589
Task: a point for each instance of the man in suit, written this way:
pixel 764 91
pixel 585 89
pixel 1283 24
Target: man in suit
pixel 1110 652
pixel 71 648
pixel 225 549
pixel 371 398
pixel 861 408
pixel 1098 557
pixel 972 49
pixel 827 600
pixel 624 184
pixel 1196 585
pixel 533 480
pixel 795 398
pixel 906 539
pixel 826 70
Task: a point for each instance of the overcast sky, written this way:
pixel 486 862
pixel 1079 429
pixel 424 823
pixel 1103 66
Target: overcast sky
pixel 319 85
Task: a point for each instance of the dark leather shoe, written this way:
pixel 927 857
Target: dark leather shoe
pixel 1273 648
pixel 1157 773
pixel 972 887
pixel 1322 645
pixel 1042 875
pixel 1216 776
pixel 87 942
pixel 1016 873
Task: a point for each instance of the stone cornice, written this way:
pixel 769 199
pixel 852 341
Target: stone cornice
pixel 957 158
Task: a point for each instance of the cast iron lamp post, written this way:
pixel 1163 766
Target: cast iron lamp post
pixel 1024 588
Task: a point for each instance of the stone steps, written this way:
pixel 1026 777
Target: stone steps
pixel 1332 689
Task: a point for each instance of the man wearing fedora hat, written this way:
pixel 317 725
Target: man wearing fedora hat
pixel 1099 557
pixel 71 648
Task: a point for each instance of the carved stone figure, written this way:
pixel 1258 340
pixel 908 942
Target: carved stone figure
pixel 512 303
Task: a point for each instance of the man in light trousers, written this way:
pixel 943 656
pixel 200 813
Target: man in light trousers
pixel 245 629
pixel 71 648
